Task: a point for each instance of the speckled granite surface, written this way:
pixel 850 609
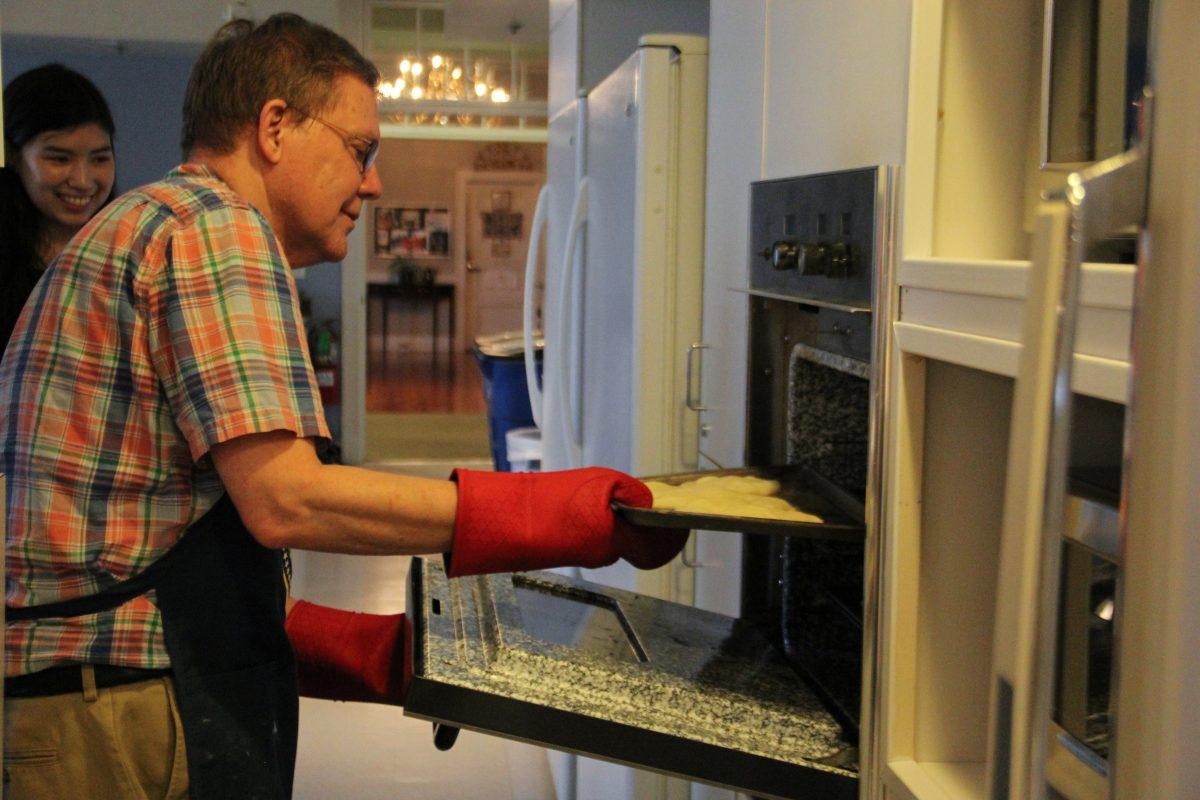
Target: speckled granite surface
pixel 702 676
pixel 828 415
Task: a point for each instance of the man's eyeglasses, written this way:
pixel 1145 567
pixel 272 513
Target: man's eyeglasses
pixel 365 150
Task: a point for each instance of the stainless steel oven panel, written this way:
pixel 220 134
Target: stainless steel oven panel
pixel 1094 65
pixel 1094 524
pixel 1072 770
pixel 816 397
pixel 815 236
pixel 1080 739
pixel 1083 674
pixel 619 676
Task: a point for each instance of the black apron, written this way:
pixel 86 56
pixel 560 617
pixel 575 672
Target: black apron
pixel 222 599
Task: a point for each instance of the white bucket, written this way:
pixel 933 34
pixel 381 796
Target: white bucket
pixel 524 446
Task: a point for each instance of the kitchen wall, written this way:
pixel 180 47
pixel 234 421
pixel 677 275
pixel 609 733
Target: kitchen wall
pixel 613 28
pixel 143 83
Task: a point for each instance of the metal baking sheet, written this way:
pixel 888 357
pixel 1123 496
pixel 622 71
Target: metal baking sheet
pixel 803 488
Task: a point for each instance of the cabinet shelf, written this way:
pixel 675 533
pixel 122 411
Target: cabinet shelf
pixel 968 312
pixel 1104 378
pixel 972 186
pixel 1104 285
pixel 938 780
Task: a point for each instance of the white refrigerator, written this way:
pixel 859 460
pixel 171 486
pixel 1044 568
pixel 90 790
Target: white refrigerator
pixel 625 237
pixel 624 227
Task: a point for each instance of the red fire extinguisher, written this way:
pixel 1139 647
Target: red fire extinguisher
pixel 325 364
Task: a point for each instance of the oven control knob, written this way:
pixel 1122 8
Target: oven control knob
pixel 783 255
pixel 839 260
pixel 813 259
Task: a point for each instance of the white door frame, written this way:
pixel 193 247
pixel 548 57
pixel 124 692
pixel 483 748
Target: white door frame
pixel 354 347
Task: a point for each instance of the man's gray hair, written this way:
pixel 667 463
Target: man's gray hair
pixel 246 65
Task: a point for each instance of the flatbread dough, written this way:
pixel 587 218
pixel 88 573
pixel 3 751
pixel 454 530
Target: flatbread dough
pixel 728 496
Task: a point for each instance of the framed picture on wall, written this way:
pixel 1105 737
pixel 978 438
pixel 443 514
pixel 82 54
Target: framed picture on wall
pixel 412 232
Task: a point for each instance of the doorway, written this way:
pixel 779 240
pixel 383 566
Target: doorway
pixel 438 273
pixel 495 213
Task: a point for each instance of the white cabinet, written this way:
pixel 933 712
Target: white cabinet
pixel 834 85
pixel 1159 748
pixel 971 183
pixel 737 32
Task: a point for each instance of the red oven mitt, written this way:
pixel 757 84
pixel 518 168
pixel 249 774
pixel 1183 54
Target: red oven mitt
pixel 344 655
pixel 517 521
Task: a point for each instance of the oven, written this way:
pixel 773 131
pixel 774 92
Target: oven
pixel 810 402
pixel 769 703
pixel 1080 732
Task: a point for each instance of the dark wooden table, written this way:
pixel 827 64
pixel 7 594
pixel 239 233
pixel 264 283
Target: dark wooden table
pixel 417 294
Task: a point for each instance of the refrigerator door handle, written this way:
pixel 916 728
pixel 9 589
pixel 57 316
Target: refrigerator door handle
pixel 1099 200
pixel 531 259
pixel 570 395
pixel 689 381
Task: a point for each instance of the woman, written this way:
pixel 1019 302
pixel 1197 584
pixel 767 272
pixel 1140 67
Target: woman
pixel 59 171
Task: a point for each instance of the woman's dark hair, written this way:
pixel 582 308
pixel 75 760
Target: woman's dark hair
pixel 47 98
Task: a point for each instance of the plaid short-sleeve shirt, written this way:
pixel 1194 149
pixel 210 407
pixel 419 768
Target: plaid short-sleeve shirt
pixel 169 324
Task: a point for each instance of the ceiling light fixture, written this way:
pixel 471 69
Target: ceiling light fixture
pixel 433 88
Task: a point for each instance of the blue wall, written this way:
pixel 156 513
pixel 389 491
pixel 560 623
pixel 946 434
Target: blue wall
pixel 144 83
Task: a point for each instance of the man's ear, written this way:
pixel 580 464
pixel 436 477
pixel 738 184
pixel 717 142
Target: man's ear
pixel 273 122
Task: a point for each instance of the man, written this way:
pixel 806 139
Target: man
pixel 161 424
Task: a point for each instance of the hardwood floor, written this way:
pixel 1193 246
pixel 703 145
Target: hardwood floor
pixel 407 384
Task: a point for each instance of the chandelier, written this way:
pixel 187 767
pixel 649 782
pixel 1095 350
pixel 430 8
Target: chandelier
pixel 442 78
pixel 480 87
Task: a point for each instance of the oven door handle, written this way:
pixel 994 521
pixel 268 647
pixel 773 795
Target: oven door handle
pixel 689 380
pixel 1099 201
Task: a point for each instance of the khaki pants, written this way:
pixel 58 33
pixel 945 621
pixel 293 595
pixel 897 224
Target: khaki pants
pixel 119 743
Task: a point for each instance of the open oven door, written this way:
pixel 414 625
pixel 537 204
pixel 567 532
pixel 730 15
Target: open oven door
pixel 590 669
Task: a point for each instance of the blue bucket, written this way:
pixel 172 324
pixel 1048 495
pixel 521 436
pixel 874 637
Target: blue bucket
pixel 507 395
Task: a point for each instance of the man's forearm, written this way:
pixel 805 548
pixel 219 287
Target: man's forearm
pixel 355 510
pixel 287 497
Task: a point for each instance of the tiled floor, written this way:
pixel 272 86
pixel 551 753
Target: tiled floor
pixel 369 752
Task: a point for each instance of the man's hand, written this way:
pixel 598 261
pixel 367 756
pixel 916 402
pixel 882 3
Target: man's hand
pixel 344 655
pixel 510 522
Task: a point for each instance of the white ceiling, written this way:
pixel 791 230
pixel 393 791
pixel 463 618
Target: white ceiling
pixel 191 21
pixel 483 20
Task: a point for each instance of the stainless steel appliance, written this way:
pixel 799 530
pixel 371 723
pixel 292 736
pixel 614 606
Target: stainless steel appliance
pixel 1052 674
pixel 768 703
pixel 1094 61
pixel 1081 730
pixel 815 399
